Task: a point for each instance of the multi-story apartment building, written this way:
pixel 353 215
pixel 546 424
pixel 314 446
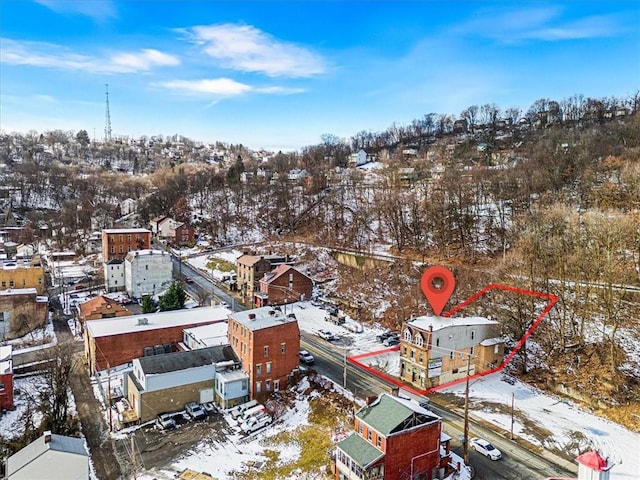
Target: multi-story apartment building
pixel 268 344
pixel 437 350
pixel 146 272
pixel 23 274
pixel 118 242
pixel 393 439
pixel 251 268
pixel 283 284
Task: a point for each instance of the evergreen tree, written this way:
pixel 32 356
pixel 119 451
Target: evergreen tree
pixel 174 298
pixel 147 304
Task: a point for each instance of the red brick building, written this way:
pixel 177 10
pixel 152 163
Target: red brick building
pixel 394 439
pixel 6 377
pixel 268 344
pixel 117 242
pixel 182 234
pixel 101 307
pixel 116 341
pixel 283 285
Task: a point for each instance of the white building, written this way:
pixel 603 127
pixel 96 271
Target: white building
pixel 147 272
pixel 114 275
pixel 54 457
pixel 206 336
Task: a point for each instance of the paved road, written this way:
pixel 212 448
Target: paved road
pixel 519 462
pixel 101 446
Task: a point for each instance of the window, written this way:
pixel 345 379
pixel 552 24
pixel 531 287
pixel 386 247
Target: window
pixel 369 434
pixel 496 348
pixel 473 334
pixel 360 428
pixel 268 367
pixel 120 249
pixel 24 282
pixel 266 350
pixel 418 339
pixel 146 267
pixel 244 384
pixel 276 385
pixel 471 351
pixel 258 370
pixel 128 238
pixel 283 348
pixel 420 358
pixel 379 441
pixel 120 238
pixel 258 387
pixel 1 386
pixel 437 342
pixel 407 335
pixel 450 355
pixel 413 354
pixel 113 249
pixel 4 284
pixel 11 284
pixel 267 385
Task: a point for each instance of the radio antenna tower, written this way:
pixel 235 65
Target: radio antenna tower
pixel 107 119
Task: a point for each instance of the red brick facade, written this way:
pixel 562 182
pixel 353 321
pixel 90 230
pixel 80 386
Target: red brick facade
pixel 283 285
pixel 6 391
pixel 183 234
pixel 268 355
pixel 116 243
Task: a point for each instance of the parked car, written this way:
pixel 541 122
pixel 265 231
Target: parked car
pixel 327 335
pixel 383 336
pixel 240 409
pixel 209 407
pixel 165 421
pixel 256 423
pixel 257 411
pixel 306 357
pixel 485 448
pixel 195 411
pixel 391 342
pixel 188 279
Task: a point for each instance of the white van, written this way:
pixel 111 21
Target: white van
pixel 257 411
pixel 240 409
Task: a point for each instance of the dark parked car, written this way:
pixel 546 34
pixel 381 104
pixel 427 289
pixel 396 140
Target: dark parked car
pixel 383 336
pixel 391 341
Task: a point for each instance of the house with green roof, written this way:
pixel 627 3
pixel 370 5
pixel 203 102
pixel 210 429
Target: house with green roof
pixel 394 439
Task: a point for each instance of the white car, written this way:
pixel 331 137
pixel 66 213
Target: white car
pixel 485 448
pixel 306 357
pixel 255 423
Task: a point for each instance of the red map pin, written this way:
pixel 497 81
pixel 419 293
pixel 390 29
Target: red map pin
pixel 437 284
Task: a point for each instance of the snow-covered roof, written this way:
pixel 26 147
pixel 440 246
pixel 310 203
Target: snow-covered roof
pixel 492 341
pixel 438 323
pixel 259 318
pixel 209 335
pixel 125 230
pixel 152 321
pixel 18 291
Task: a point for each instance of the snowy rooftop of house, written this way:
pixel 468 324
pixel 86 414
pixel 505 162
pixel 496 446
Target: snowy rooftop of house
pixel 19 291
pixel 5 359
pixel 439 323
pixel 231 375
pixel 139 253
pixel 152 321
pixel 211 334
pixel 492 341
pixel 259 318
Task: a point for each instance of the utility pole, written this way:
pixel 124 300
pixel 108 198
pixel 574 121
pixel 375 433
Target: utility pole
pixel 466 415
pixel 134 465
pixel 344 370
pixel 109 397
pixel 513 397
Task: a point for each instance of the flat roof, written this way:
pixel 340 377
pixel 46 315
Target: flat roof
pixel 259 318
pixel 121 325
pixel 439 323
pixel 210 334
pixel 126 230
pixel 19 291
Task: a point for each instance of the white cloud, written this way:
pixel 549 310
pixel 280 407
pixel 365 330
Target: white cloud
pixel 248 49
pixel 543 23
pixel 220 86
pixel 96 9
pixel 47 55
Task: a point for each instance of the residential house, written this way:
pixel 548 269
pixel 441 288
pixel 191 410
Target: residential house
pixel 461 126
pixel 164 383
pixel 268 344
pixel 117 341
pixel 407 176
pixel 22 310
pixel 284 284
pixel 155 224
pixel 393 439
pixel 251 268
pixel 23 274
pixel 6 377
pixel 165 226
pixel 147 272
pixel 25 251
pixel 93 243
pixel 118 242
pixel 54 457
pixel 128 206
pixel 297 175
pixel 101 307
pixel 182 234
pixel 114 280
pixel 437 350
pixel 358 158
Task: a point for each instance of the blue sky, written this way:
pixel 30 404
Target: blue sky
pixel 280 74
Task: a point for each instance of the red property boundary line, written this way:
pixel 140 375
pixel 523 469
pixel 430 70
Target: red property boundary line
pixel 552 300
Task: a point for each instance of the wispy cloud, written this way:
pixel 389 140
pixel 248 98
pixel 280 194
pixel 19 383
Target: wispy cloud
pixel 248 49
pixel 47 55
pixel 224 88
pixel 96 9
pixel 544 23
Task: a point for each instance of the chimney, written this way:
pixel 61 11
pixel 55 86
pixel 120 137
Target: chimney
pixel 370 399
pixel 47 436
pixel 252 316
